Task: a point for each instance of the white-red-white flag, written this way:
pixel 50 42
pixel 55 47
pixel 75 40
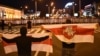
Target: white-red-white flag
pixel 73 32
pixel 44 46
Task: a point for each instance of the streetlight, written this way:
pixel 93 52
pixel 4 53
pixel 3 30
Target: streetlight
pixel 80 7
pixel 71 4
pixel 52 4
pixel 36 7
pixel 22 12
pixel 48 8
pixel 25 7
pixel 74 4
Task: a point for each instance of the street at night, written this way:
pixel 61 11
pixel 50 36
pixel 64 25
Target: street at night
pixel 49 27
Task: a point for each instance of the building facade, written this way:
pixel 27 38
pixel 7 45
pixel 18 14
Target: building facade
pixel 9 13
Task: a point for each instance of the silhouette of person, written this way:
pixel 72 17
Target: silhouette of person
pixel 68 48
pixel 24 42
pixel 2 24
pixel 29 24
pixel 9 26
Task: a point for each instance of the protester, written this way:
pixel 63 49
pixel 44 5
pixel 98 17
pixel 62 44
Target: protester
pixel 29 24
pixel 24 42
pixel 9 26
pixel 2 25
pixel 68 48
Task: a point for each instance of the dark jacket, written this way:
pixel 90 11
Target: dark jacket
pixel 66 45
pixel 29 24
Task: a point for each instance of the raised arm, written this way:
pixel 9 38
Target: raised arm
pixel 8 40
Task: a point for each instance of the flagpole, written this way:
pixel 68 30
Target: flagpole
pixel 80 7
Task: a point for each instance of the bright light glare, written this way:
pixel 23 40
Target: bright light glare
pixel 69 4
pixel 75 14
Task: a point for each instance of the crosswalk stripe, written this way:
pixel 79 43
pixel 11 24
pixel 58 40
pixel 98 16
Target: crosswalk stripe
pixel 37 30
pixel 30 31
pixel 17 31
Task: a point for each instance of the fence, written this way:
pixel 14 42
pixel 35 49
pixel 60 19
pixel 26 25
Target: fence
pixel 53 21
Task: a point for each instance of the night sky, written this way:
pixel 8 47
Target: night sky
pixel 58 3
pixel 41 5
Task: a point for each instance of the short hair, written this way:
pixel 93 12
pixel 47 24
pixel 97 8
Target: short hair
pixel 23 30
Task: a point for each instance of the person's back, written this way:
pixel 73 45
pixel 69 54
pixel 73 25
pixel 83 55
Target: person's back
pixel 29 24
pixel 24 45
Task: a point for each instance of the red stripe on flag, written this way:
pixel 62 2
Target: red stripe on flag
pixel 84 31
pixel 48 42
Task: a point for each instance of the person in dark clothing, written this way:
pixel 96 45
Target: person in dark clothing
pixel 68 48
pixel 2 25
pixel 29 24
pixel 24 42
pixel 9 26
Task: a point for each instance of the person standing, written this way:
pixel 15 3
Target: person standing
pixel 9 26
pixel 24 42
pixel 2 25
pixel 68 48
pixel 29 24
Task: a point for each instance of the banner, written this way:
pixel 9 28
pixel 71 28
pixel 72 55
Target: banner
pixel 73 33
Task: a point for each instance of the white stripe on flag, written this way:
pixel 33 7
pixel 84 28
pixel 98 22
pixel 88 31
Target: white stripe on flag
pixel 42 47
pixel 47 47
pixel 10 49
pixel 35 47
pixel 10 36
pixel 77 38
pixel 87 25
